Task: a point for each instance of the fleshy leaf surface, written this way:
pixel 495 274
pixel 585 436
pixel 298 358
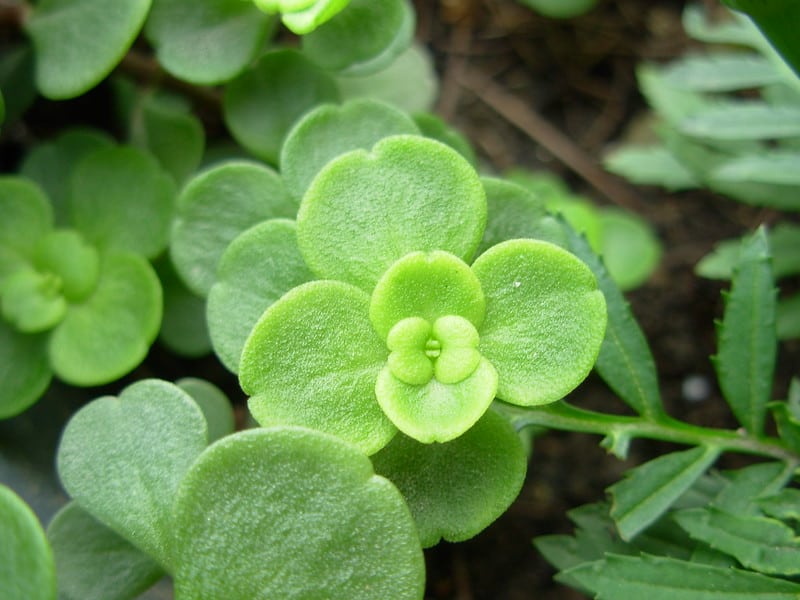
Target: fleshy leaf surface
pixel 364 211
pixel 630 248
pixel 68 61
pixel 24 369
pixel 438 480
pixel 312 520
pixel 27 214
pixel 312 360
pixel 109 333
pixel 545 320
pixel 514 212
pixel 95 563
pixel 27 570
pixel 122 458
pixel 215 207
pixel 215 405
pixel 257 268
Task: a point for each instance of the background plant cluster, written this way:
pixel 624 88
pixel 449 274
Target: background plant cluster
pixel 252 249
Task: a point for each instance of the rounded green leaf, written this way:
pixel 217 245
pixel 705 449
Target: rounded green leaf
pixel 24 369
pixel 65 254
pixel 303 16
pixel 208 42
pixel 215 405
pixel 376 32
pixel 560 9
pixel 428 285
pixel 31 301
pixel 183 325
pixel 438 481
pixel 27 214
pixel 294 514
pixel 433 126
pixel 215 207
pixel 630 249
pixel 258 267
pixel 27 571
pixel 312 360
pixel 437 411
pixel 109 333
pixel 364 210
pixel 78 42
pixel 122 458
pixel 545 320
pixel 581 215
pixel 262 104
pixel 120 198
pixel 330 130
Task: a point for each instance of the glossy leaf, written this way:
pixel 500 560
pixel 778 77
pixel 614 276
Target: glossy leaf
pixel 121 199
pixel 377 32
pixel 778 20
pixel 658 578
pixel 630 249
pixel 27 214
pixel 745 358
pixel 68 61
pixel 257 268
pixel 364 211
pixel 95 563
pixel 215 405
pixel 26 561
pixel 312 360
pixel 109 333
pixel 215 207
pixel 142 442
pixel 438 480
pixel 722 72
pixel 24 369
pixel 261 105
pixel 330 130
pixel 650 489
pixel 313 520
pixel 206 42
pixel 545 320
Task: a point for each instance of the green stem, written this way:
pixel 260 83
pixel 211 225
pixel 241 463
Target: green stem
pixel 564 417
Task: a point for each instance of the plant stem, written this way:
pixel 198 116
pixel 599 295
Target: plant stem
pixel 562 416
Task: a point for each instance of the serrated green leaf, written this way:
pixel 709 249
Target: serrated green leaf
pixel 721 72
pixel 650 489
pixel 312 521
pixel 630 249
pixel 758 543
pixel 121 199
pixel 746 485
pixel 330 130
pixel 650 165
pixel 776 167
pixel 215 405
pixel 745 359
pixel 27 571
pixel 25 370
pixel 68 61
pixel 206 42
pixel 142 442
pixel 257 268
pixel 95 563
pixel 743 120
pixel 545 320
pixel 658 578
pixel 625 361
pixel 783 505
pixel 438 480
pixel 215 207
pixel 364 210
pixel 261 105
pixel 312 360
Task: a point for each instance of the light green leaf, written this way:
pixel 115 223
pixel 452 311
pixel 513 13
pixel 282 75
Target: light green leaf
pixel 215 207
pixel 747 342
pixel 31 301
pixel 758 543
pixel 206 42
pixel 142 443
pixel 312 360
pixel 215 405
pixel 109 333
pixel 364 211
pixel 27 214
pixel 560 9
pixel 377 32
pixel 650 489
pixel 303 16
pixel 258 267
pixel 95 563
pixel 330 130
pixel 69 60
pixel 625 361
pixel 545 320
pixel 776 167
pixel 630 249
pixel 438 480
pixel 66 255
pixel 261 105
pixel 27 571
pixel 312 520
pixel 427 285
pixel 650 165
pixel 433 126
pixel 120 198
pixel 743 120
pixel 24 369
pixel 659 578
pixel 722 72
pixel 670 103
pixel 778 21
pixel 737 31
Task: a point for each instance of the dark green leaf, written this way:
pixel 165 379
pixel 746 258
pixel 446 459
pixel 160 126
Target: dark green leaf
pixel 779 20
pixel 783 505
pixel 746 485
pixel 25 370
